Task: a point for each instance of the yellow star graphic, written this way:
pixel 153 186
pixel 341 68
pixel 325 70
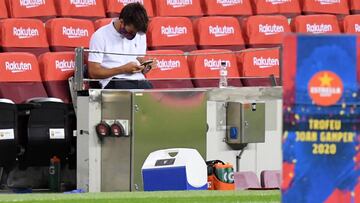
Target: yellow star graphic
pixel 326 80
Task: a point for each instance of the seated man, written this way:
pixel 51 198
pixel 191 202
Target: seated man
pixel 125 35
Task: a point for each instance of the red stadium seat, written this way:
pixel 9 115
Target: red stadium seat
pixel 90 9
pixel 3 10
pixel 355 6
pixel 56 69
pixel 316 24
pixel 171 33
pixel 171 71
pixel 178 8
pixel 265 31
pixel 113 7
pixel 224 8
pixel 260 64
pixel 101 22
pixel 20 77
pixel 23 35
pixel 42 10
pixel 336 7
pixel 270 7
pixel 205 67
pixel 218 33
pixel 65 34
pixel 351 24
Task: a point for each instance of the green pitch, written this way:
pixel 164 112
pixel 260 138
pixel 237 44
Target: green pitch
pixel 147 197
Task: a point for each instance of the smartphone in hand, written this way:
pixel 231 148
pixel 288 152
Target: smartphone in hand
pixel 147 66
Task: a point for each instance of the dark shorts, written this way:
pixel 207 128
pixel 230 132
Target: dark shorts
pixel 129 84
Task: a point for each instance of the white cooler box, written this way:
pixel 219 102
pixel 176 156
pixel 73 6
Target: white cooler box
pixel 174 169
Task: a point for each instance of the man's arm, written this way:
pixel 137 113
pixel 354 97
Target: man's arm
pixel 96 71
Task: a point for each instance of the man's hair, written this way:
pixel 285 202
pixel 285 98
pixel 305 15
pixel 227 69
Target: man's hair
pixel 136 15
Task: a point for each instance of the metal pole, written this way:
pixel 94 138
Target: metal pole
pixel 238 157
pixel 273 80
pixel 281 54
pixel 1 176
pixel 79 69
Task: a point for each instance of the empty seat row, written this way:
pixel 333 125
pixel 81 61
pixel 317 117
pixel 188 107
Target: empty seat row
pixel 254 65
pixel 91 9
pixel 65 34
pixel 94 9
pixel 215 32
pixel 30 35
pixel 22 70
pixel 43 77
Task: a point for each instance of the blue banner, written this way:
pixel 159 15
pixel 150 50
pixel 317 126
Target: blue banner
pixel 321 120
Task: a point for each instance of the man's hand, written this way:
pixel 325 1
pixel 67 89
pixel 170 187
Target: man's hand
pixel 143 59
pixel 131 68
pixel 154 63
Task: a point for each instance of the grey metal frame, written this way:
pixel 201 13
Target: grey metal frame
pixel 79 69
pixel 88 145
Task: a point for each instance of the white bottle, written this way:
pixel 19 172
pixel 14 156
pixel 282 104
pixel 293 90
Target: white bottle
pixel 223 83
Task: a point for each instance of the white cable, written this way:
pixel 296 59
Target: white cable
pixel 185 54
pixel 199 79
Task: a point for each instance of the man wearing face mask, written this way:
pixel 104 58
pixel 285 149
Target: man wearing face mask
pixel 124 35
